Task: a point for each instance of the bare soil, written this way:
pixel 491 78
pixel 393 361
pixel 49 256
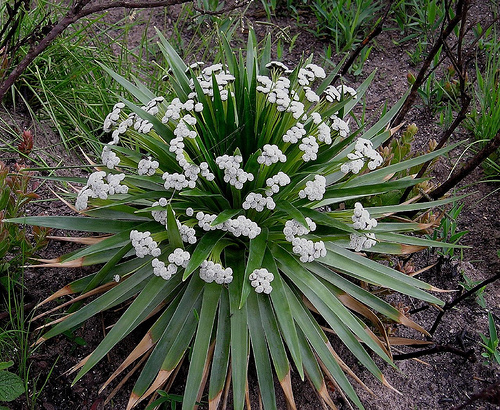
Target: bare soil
pixel 438 381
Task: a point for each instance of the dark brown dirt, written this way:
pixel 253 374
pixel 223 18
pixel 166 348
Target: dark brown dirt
pixel 440 381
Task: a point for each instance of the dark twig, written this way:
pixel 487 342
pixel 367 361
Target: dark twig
pixel 82 8
pixel 461 8
pixel 469 354
pixel 463 296
pixel 467 168
pixel 374 33
pixel 490 394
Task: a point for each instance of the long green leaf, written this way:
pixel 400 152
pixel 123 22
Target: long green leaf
pixel 260 353
pixel 256 253
pixel 211 294
pixel 75 223
pixel 203 249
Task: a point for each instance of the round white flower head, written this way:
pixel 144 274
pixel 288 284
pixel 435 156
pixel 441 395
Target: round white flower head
pixel 363 149
pixel 310 147
pixel 258 202
pixel 147 166
pixel 308 250
pixel 345 90
pixel 187 233
pixel 144 244
pixel 331 94
pixel 116 278
pixel 314 190
pixel 274 183
pixel 271 154
pixel 233 174
pixel 114 186
pixel 294 228
pixel 261 279
pixel 179 257
pixel 294 134
pixel 359 242
pixel 361 218
pixel 109 158
pixel 215 272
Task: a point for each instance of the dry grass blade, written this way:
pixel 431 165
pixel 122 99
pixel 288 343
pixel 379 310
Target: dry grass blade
pixel 124 380
pixel 214 403
pixel 323 394
pixel 363 310
pixel 66 290
pixel 344 367
pixel 409 249
pixel 50 324
pixel 418 272
pixel 87 240
pixel 286 385
pixel 79 365
pixel 160 380
pixel 56 263
pixel 403 341
pixel 96 291
pixel 141 349
pixel 205 372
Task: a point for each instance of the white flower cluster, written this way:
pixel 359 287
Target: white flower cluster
pixel 305 248
pixel 144 244
pixel 278 65
pixel 271 154
pixel 314 190
pixel 214 272
pixel 311 95
pixel 241 226
pixel 261 280
pixel 114 186
pixel 205 172
pixel 340 125
pixel 187 233
pixel 159 269
pixel 147 167
pixel 179 257
pixel 308 250
pixel 309 73
pixel 182 129
pixel 109 158
pixel 361 220
pixel 112 118
pixel 294 228
pixel 258 202
pixel 363 149
pixel 177 181
pixel 233 174
pixel 310 147
pixel 359 242
pixel 222 78
pixel 160 216
pixel 295 133
pixel 279 93
pixel 97 188
pixel 275 182
pixel 333 94
pixel 324 133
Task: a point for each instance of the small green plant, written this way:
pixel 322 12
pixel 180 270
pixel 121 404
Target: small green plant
pixel 15 243
pixel 469 284
pixel 208 203
pixel 11 385
pixel 491 343
pixel 344 21
pixel 448 230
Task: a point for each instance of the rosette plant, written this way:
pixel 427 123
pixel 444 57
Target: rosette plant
pixel 220 225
